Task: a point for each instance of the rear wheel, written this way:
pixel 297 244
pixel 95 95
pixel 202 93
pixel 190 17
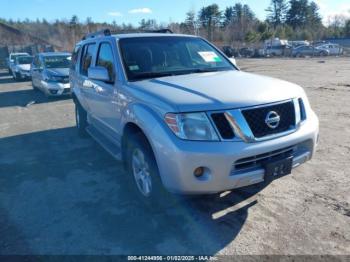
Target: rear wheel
pixel 81 119
pixel 143 172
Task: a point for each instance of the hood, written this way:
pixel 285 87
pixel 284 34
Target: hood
pixel 218 90
pixel 24 67
pixel 58 71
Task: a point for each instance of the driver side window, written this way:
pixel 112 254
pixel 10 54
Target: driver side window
pixel 86 59
pixel 105 59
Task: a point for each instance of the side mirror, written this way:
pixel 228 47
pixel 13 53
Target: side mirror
pixel 99 73
pixel 233 61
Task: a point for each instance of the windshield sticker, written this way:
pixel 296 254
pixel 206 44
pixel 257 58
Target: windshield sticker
pixel 210 56
pixel 134 68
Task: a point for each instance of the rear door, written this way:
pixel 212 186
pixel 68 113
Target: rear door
pixel 82 81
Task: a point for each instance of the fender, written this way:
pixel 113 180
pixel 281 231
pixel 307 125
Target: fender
pixel 155 130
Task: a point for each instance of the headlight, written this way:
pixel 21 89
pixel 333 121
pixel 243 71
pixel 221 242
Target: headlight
pixel 52 78
pixel 191 126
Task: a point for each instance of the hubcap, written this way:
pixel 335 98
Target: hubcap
pixel 141 173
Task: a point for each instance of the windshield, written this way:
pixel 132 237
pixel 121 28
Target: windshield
pixel 24 60
pixel 150 57
pixel 13 57
pixel 57 61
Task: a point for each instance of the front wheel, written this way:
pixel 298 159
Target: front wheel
pixel 143 172
pixel 17 77
pixel 81 119
pixel 33 86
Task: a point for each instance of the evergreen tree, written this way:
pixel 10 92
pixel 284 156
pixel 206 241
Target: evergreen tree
pixel 210 17
pixel 277 12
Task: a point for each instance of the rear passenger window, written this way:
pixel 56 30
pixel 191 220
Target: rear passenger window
pixel 105 59
pixel 75 57
pixel 86 60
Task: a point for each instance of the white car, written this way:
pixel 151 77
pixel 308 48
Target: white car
pixel 12 58
pixel 333 49
pixel 21 68
pixel 50 73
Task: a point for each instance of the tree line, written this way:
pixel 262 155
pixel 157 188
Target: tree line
pixel 235 25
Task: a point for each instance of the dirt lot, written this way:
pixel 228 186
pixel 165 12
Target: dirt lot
pixel 60 194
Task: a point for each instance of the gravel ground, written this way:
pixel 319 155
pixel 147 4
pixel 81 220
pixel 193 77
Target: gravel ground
pixel 60 194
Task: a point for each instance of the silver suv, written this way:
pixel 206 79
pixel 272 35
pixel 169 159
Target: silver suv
pixel 183 117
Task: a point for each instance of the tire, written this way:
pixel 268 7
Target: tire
pixel 81 119
pixel 323 53
pixel 34 87
pixel 143 174
pixel 17 77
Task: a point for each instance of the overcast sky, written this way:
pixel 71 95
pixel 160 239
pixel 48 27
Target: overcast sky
pixel 132 11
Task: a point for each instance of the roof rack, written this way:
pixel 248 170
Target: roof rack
pixel 161 31
pixel 104 32
pixel 108 32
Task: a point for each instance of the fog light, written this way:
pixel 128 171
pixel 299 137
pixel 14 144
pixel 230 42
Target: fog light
pixel 198 172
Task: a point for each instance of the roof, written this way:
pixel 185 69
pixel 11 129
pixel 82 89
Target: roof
pixel 135 35
pixel 55 54
pixel 16 53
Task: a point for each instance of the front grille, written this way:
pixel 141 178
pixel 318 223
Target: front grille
pixel 256 119
pixel 222 125
pixel 250 163
pixel 64 80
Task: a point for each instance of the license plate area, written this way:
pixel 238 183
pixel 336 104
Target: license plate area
pixel 278 168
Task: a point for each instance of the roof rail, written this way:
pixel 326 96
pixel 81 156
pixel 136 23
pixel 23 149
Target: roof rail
pixel 108 32
pixel 104 32
pixel 161 31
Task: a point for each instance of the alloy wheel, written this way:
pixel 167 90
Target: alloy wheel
pixel 141 172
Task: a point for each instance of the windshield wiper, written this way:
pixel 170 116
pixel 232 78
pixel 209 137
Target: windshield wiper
pixel 146 75
pixel 206 70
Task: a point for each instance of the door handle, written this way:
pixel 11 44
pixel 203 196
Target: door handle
pixel 88 84
pixel 98 89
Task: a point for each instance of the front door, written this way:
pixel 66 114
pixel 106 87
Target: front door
pixel 104 100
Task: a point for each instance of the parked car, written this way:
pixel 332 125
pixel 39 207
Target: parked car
pixel 278 50
pixel 11 60
pixel 21 68
pixel 305 50
pixel 332 49
pixel 183 118
pixel 230 52
pixel 50 73
pixel 247 52
pixel 295 44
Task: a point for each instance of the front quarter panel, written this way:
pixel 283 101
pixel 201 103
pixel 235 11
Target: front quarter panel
pixel 156 131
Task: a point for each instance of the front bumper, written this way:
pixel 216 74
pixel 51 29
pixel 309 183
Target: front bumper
pixel 56 88
pixel 25 74
pixel 177 159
